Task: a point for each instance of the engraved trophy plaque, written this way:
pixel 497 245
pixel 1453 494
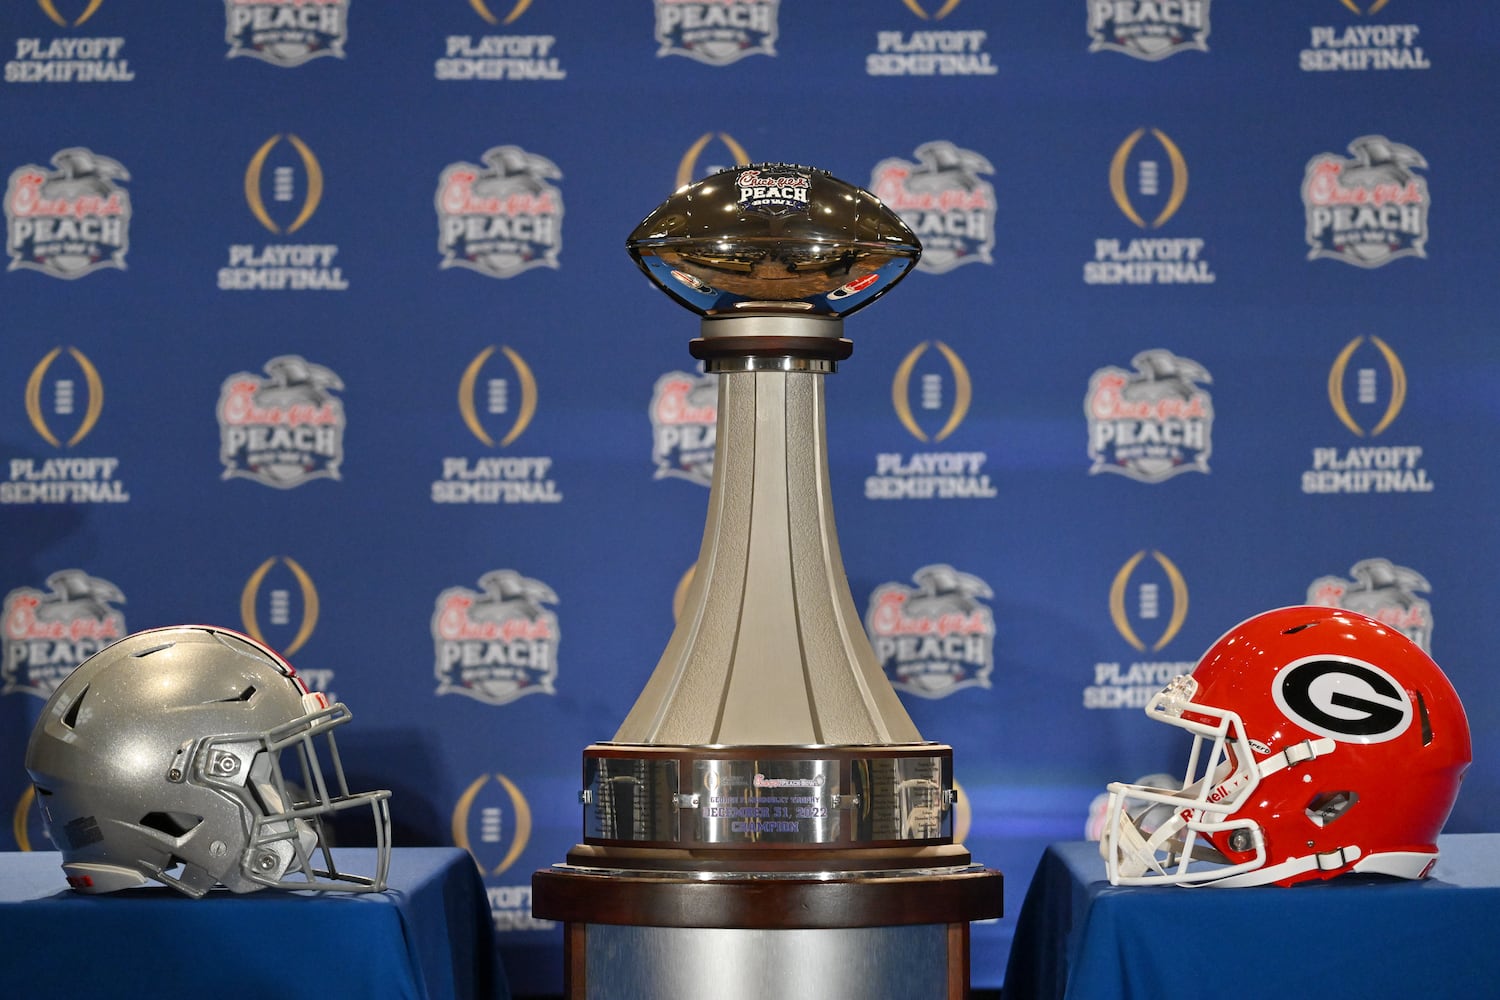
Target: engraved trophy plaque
pixel 767 803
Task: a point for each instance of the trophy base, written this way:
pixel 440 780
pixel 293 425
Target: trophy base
pixel 897 935
pixel 771 807
pixel 756 871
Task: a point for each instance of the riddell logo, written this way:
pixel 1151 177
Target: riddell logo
pixel 1150 583
pixel 270 598
pixel 692 166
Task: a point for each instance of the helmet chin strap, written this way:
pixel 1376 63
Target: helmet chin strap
pixel 1333 860
pixel 194 881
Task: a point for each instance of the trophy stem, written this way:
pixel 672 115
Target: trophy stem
pixel 769 648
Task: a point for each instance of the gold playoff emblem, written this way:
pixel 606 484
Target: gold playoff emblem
pixel 1178 167
pixel 963 391
pixel 1336 386
pixel 1179 601
pixel 311 169
pixel 519 809
pixel 250 595
pixel 469 411
pixel 34 397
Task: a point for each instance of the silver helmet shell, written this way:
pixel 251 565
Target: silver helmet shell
pixel 189 756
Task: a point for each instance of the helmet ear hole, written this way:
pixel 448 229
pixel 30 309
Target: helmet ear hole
pixel 173 824
pixel 1329 806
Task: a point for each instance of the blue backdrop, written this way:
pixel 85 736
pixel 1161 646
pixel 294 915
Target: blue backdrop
pixel 317 323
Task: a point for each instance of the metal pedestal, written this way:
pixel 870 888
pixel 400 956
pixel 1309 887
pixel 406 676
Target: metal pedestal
pixel 899 935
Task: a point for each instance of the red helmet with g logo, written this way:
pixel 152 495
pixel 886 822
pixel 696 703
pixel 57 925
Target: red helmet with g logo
pixel 1323 742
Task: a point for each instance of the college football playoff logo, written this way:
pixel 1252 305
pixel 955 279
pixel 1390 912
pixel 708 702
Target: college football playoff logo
pixel 514 398
pixel 270 603
pixel 283 184
pixel 1147 608
pixel 1365 389
pixel 64 393
pixel 492 821
pixel 1146 184
pixel 932 382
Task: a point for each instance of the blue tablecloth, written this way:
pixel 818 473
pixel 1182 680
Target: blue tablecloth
pixel 1366 937
pixel 428 937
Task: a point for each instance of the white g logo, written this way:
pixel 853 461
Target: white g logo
pixel 1344 699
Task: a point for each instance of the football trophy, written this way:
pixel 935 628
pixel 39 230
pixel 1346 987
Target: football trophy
pixel 767 821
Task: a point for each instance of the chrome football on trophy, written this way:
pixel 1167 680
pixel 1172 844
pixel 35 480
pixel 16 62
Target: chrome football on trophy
pixel 767 804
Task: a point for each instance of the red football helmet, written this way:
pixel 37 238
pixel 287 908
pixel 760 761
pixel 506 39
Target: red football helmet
pixel 1323 742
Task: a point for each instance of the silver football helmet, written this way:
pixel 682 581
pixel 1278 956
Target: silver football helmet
pixel 160 758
